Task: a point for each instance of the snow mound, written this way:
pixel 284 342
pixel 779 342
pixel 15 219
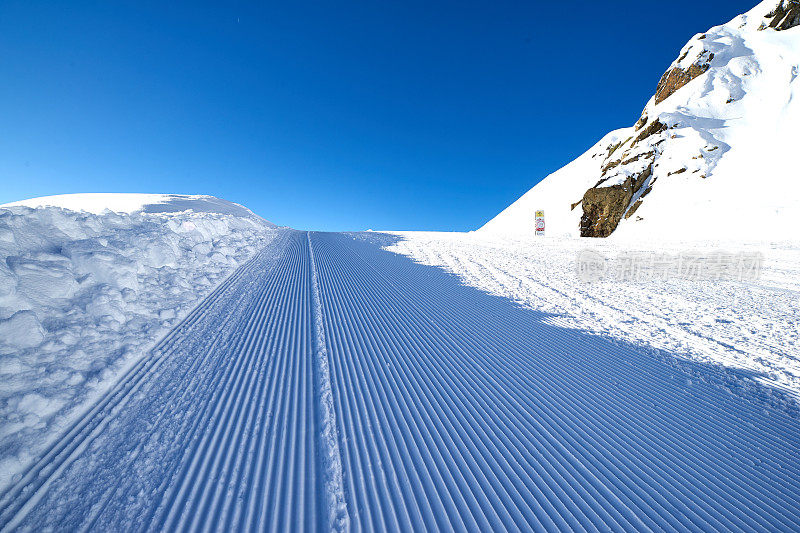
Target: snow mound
pixel 84 294
pixel 98 203
pixel 713 155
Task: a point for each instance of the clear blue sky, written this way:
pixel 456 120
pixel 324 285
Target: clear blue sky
pixel 326 115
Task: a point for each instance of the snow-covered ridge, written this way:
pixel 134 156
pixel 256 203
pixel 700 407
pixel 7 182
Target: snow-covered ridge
pixel 713 155
pixel 98 203
pixel 88 286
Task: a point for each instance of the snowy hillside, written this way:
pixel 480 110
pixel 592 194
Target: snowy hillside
pixel 88 283
pixel 713 155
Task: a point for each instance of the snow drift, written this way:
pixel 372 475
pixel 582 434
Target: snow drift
pixel 99 203
pixel 85 290
pixel 712 156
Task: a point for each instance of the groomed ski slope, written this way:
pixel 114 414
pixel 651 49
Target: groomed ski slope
pixel 329 384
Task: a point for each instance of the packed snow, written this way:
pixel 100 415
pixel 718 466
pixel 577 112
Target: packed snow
pixel 453 409
pixel 83 295
pixel 725 167
pixel 744 324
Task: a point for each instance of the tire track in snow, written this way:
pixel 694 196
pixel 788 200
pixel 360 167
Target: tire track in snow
pixel 338 519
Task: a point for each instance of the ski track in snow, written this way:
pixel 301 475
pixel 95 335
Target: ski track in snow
pixel 748 325
pixel 448 408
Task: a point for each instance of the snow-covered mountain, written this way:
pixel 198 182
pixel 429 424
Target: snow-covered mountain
pixel 713 156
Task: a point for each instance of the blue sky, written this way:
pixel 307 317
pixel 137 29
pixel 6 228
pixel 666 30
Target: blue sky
pixel 326 115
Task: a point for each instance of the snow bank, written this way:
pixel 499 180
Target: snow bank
pixel 83 295
pixel 99 203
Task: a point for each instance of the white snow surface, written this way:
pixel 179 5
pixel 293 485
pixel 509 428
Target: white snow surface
pixel 734 130
pixel 455 410
pixel 98 203
pixel 86 291
pixel 747 325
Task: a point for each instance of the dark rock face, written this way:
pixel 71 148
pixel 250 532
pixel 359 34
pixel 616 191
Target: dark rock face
pixel 785 16
pixel 604 207
pixel 654 128
pixel 633 209
pixel 676 77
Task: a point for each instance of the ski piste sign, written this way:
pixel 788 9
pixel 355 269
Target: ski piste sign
pixel 539 226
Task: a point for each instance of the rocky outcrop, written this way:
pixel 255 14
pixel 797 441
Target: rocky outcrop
pixel 604 207
pixel 627 167
pixel 783 17
pixel 629 164
pixel 677 77
pixel 654 128
pixel 730 88
pixel 633 209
